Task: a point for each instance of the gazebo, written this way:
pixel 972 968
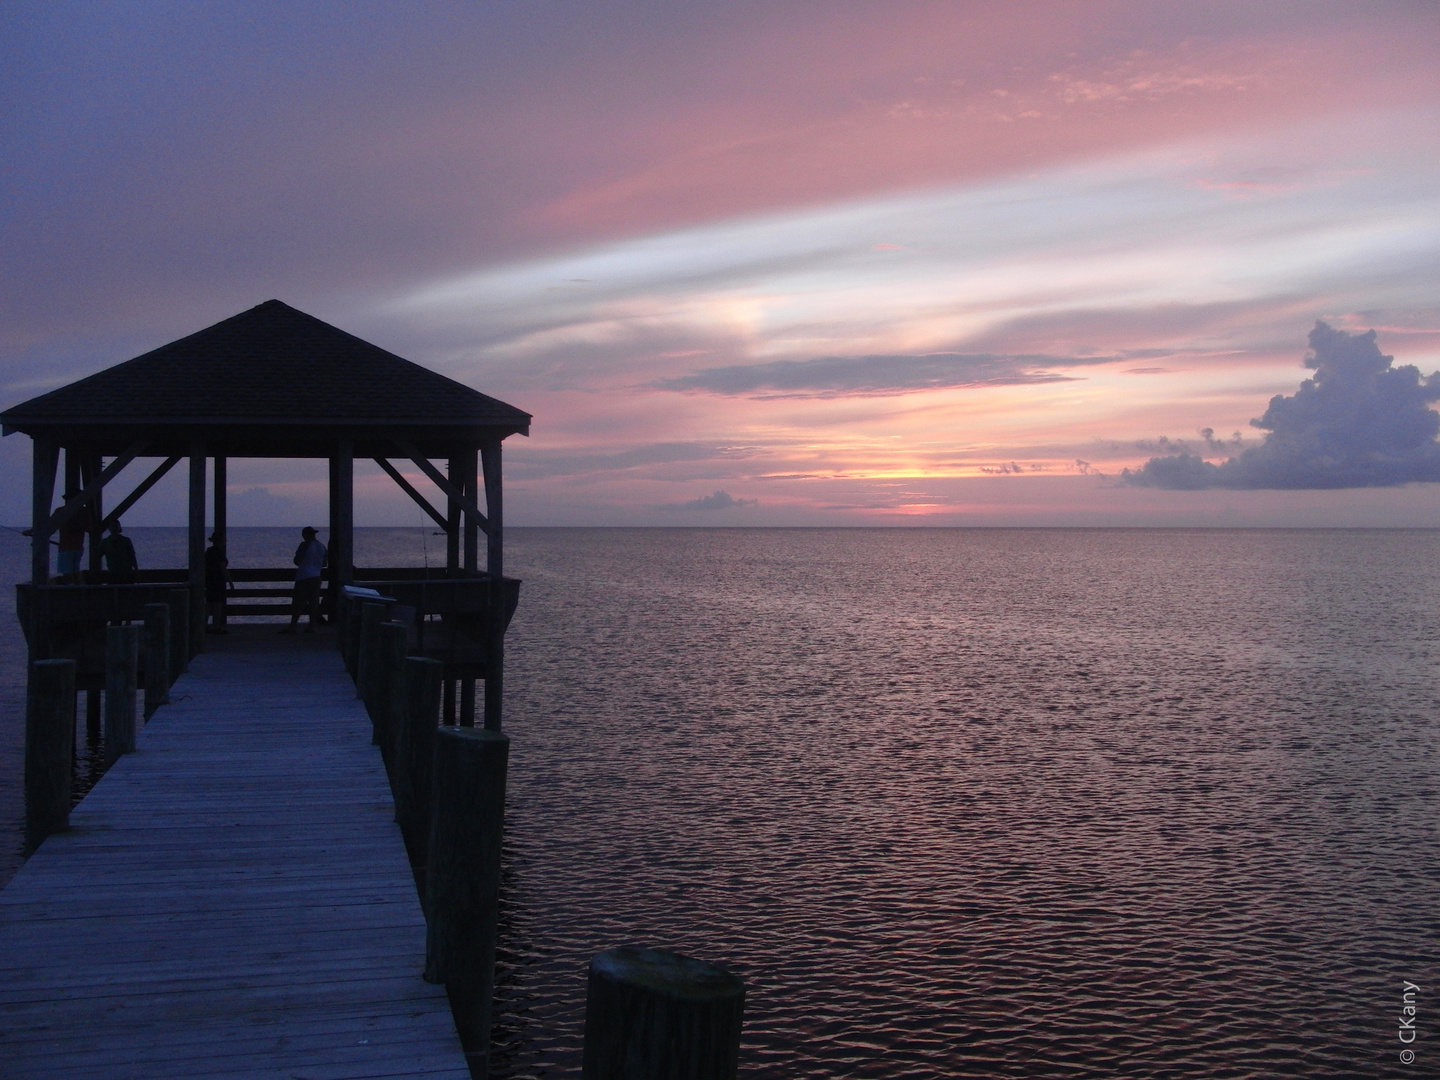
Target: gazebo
pixel 274 382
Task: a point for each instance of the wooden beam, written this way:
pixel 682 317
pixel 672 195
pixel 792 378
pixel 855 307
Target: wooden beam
pixel 90 467
pixel 456 518
pixel 218 514
pixel 73 506
pixel 495 546
pixel 438 479
pixel 470 478
pixel 409 489
pixel 342 540
pixel 140 489
pixel 196 560
pixel 46 459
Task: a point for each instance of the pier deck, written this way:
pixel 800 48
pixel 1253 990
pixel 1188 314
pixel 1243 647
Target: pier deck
pixel 233 900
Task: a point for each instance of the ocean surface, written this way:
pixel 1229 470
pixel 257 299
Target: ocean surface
pixel 962 803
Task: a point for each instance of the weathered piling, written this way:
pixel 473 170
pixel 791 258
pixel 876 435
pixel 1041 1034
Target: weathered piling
pixel 347 632
pixel 421 680
pixel 390 687
pixel 122 654
pixel 157 657
pixel 495 655
pixel 49 748
pixel 651 1014
pixel 179 601
pixel 368 662
pixel 462 884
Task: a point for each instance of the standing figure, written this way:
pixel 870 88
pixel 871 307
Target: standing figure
pixel 217 581
pixel 309 564
pixel 119 554
pixel 72 542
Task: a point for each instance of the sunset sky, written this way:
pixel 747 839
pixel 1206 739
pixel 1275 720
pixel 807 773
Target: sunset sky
pixel 748 263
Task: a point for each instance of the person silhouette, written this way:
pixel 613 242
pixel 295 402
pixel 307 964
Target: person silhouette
pixel 309 564
pixel 118 551
pixel 72 541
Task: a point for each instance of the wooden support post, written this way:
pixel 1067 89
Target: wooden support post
pixel 654 1013
pixel 91 466
pixel 495 654
pixel 455 516
pixel 49 749
pixel 354 612
pixel 494 509
pixel 368 661
pixel 179 601
pixel 46 459
pixel 421 679
pixel 342 540
pixel 470 478
pixel 335 609
pixel 462 881
pixel 196 616
pixel 219 517
pixel 122 654
pixel 157 657
pixel 394 643
pixel 495 567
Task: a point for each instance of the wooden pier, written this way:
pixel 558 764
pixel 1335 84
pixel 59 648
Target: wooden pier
pixel 233 899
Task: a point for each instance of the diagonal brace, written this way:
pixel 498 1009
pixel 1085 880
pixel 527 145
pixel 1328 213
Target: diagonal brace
pixel 449 490
pixel 409 489
pixel 75 505
pixel 144 486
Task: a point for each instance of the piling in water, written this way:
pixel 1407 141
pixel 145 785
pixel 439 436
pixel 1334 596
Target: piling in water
pixel 658 1015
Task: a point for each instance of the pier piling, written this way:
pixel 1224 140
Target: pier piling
pixel 421 680
pixel 389 690
pixel 462 884
pixel 122 653
pixel 656 1014
pixel 179 632
pixel 49 748
pixel 157 657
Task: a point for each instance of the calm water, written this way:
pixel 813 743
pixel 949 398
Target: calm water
pixel 989 803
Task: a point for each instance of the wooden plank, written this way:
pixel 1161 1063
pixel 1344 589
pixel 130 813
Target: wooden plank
pixel 234 900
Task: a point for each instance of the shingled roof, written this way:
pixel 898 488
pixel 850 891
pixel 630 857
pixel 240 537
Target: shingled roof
pixel 267 368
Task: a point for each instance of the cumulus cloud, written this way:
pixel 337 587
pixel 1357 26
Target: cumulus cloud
pixel 1360 422
pixel 721 500
pixel 872 376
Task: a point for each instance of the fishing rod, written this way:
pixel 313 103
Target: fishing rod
pixel 25 533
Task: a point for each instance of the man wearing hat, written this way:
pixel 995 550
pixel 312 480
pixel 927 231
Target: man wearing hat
pixel 309 565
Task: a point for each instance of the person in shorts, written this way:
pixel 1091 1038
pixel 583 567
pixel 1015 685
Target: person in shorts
pixel 72 542
pixel 309 565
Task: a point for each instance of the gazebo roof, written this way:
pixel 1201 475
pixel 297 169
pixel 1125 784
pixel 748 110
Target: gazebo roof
pixel 271 381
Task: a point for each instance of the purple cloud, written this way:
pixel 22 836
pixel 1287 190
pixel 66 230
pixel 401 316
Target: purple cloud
pixel 1360 422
